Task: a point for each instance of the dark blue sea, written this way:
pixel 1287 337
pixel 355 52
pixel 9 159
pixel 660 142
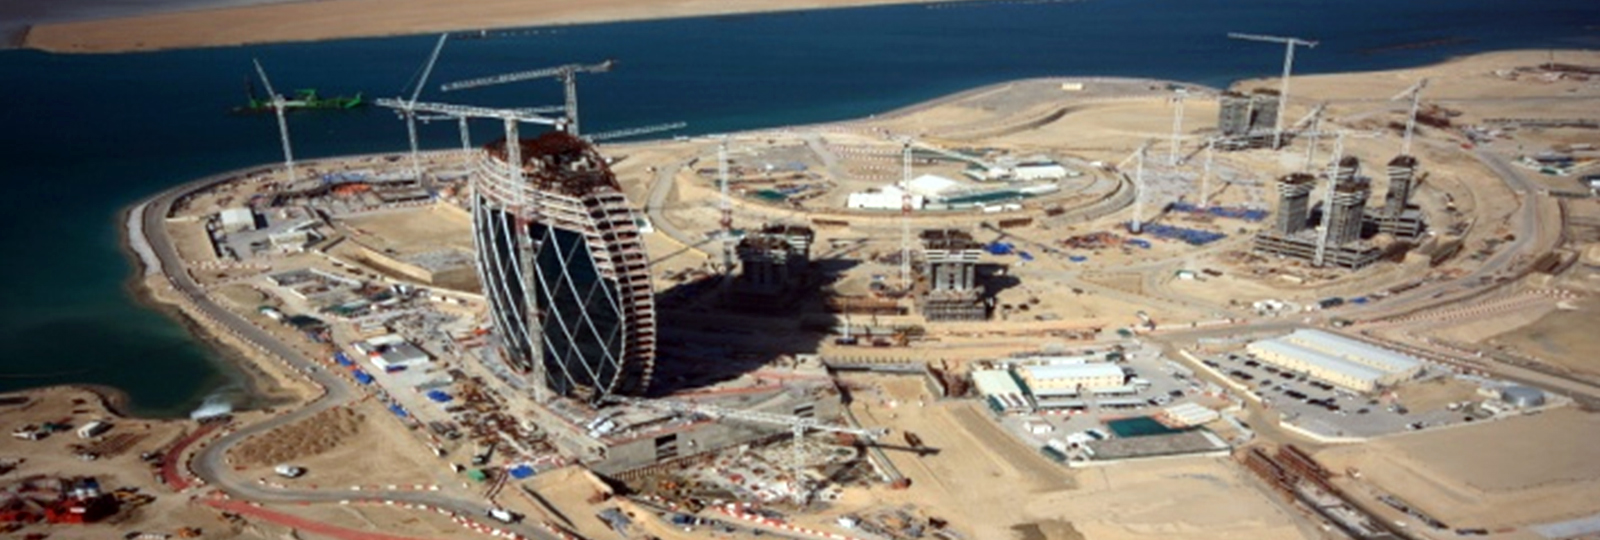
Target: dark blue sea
pixel 84 136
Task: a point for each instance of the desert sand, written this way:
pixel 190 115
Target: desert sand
pixel 310 21
pixel 1480 476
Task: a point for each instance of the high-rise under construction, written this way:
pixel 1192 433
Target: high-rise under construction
pixel 1246 120
pixel 773 265
pixel 950 265
pixel 564 267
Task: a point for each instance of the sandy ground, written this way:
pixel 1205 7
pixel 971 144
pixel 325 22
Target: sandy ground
pixel 416 230
pixel 1562 338
pixel 309 21
pixel 1482 475
pixel 53 456
pixel 362 445
pixel 988 483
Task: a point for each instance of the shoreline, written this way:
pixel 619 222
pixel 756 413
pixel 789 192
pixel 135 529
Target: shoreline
pixel 291 22
pixel 244 371
pixel 257 389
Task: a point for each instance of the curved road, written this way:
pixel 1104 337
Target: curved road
pixel 209 463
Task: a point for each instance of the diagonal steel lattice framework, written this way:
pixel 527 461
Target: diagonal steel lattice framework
pixel 563 265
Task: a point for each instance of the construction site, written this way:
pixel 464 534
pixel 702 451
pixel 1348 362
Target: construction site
pixel 1013 312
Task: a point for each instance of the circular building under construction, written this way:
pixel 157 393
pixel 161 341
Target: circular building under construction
pixel 564 267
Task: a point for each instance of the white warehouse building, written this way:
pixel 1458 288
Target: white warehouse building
pixel 1070 379
pixel 1346 362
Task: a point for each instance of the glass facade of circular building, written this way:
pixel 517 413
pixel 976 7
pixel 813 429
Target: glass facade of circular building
pixel 564 268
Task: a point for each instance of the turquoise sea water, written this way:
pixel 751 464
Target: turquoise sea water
pixel 86 135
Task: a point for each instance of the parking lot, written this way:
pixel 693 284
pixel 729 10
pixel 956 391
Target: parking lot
pixel 1328 410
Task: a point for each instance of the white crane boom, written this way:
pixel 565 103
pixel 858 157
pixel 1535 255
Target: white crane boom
pixel 410 115
pixel 1415 91
pixel 950 153
pixel 631 132
pixel 1306 120
pixel 468 111
pixel 716 412
pixel 558 71
pixel 1288 66
pixel 283 124
pixel 567 74
pixel 427 69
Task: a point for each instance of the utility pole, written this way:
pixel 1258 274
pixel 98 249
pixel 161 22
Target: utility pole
pixel 1288 66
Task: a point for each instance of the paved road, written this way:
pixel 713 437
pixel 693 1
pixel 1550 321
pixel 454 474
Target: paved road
pixel 209 463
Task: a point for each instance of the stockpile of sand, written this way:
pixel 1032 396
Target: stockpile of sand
pixel 320 433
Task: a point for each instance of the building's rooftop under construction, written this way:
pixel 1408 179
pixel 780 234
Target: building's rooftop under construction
pixel 950 266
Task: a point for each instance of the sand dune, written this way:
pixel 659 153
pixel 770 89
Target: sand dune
pixel 327 19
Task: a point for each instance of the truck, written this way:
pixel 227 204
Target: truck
pixel 289 471
pixel 502 515
pixel 93 429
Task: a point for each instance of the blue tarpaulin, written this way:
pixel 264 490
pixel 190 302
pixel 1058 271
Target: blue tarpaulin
pixel 1077 258
pixel 999 248
pixel 1025 255
pixel 362 377
pixel 398 411
pixel 439 396
pixel 521 471
pixel 342 359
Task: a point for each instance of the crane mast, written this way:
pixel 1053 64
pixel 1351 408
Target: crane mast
pixel 905 217
pixel 1288 67
pixel 1177 125
pixel 1415 92
pixel 727 212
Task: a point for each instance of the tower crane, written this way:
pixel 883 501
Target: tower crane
pixel 511 117
pixel 1137 225
pixel 283 125
pixel 567 73
pixel 1288 64
pixel 905 216
pixel 1415 92
pixel 726 206
pixel 797 425
pixel 1205 175
pixel 1177 124
pixel 410 114
pixel 466 135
